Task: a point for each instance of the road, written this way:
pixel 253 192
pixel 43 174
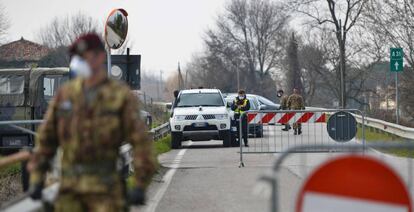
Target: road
pixel 204 176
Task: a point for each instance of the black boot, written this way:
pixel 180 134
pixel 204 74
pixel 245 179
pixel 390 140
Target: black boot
pixel 300 131
pixel 296 132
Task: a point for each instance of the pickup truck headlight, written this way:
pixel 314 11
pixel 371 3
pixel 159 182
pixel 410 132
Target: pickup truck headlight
pixel 179 118
pixel 222 116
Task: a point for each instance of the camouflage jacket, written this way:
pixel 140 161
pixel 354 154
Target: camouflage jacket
pixel 89 126
pixel 295 102
pixel 284 102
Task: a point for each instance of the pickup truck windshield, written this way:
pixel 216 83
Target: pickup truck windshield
pixel 11 84
pixel 200 99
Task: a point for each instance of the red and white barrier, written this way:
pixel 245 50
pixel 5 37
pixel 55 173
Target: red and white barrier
pixel 284 118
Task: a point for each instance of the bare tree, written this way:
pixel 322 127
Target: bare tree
pixel 341 16
pixel 319 63
pixel 257 29
pixel 392 21
pixel 63 31
pixel 391 24
pixel 4 23
pixel 248 41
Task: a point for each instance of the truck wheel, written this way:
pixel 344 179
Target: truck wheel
pixel 226 136
pixel 176 140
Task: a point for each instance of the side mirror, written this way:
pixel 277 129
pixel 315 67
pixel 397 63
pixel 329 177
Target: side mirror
pixel 228 104
pixel 176 92
pixel 168 106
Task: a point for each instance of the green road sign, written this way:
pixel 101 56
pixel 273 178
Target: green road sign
pixel 396 59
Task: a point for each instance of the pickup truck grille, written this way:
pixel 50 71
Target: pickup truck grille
pixel 192 128
pixel 209 117
pixel 191 117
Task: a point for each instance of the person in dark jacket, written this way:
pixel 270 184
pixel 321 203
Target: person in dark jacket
pixel 240 106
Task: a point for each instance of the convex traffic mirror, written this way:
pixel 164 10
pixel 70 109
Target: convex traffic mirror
pixel 116 28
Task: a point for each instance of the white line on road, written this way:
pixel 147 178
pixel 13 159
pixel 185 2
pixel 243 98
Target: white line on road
pixel 166 180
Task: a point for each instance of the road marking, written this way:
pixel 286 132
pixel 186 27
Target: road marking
pixel 167 180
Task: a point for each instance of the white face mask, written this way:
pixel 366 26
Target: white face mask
pixel 241 97
pixel 80 67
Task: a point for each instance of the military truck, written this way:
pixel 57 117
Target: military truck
pixel 24 95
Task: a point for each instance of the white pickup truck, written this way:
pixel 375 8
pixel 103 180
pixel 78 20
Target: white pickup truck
pixel 200 115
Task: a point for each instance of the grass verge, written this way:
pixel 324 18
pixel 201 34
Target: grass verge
pixel 378 136
pixel 10 169
pixel 161 146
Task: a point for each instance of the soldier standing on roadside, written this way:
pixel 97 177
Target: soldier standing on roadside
pixel 89 118
pixel 283 106
pixel 295 102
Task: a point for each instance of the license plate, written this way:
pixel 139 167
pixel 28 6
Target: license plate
pixel 15 143
pixel 200 124
pixel 234 129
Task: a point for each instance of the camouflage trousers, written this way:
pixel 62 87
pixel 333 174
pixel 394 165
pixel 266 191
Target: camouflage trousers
pixel 297 126
pixel 72 202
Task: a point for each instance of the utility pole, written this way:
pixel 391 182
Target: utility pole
pixel 238 79
pixel 341 65
pixel 397 102
pixel 180 78
pixel 161 84
pixel 186 78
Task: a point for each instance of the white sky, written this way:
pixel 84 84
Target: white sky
pixel 164 32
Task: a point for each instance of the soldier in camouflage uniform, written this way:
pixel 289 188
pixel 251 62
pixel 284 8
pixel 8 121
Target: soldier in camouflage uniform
pixel 88 120
pixel 295 102
pixel 283 106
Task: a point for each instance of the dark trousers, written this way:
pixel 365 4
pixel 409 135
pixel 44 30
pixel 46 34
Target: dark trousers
pixel 245 133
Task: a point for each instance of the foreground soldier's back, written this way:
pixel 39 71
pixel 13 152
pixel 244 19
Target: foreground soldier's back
pixel 89 124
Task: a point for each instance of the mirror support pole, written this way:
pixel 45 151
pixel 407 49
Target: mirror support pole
pixel 108 58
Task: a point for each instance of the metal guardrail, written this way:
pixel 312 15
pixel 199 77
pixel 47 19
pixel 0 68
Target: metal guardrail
pixel 24 202
pixel 161 131
pixel 395 129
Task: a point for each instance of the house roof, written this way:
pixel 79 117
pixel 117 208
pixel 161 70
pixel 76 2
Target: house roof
pixel 22 50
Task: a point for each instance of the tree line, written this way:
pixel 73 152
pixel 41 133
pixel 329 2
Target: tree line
pixel 264 45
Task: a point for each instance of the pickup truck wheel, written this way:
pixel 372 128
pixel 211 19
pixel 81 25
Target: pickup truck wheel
pixel 176 140
pixel 226 136
pixel 234 141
